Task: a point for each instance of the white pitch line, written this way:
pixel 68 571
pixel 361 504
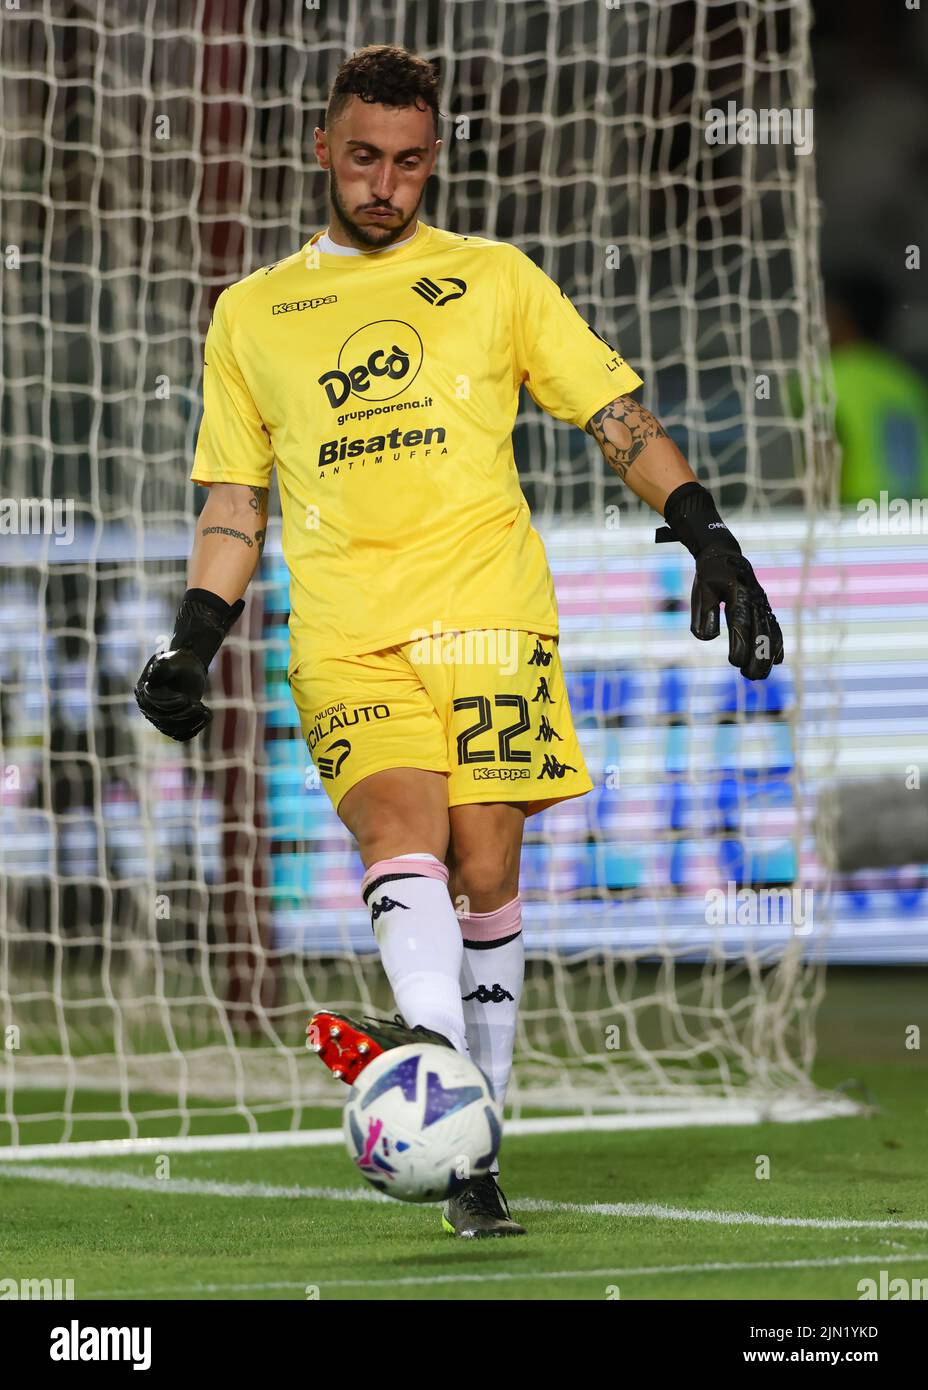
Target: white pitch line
pixel 184 1187
pixel 743 1113
pixel 722 1218
pixel 92 1177
pixel 191 1143
pixel 632 1271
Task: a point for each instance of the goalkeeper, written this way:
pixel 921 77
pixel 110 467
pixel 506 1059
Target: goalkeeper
pixel 380 367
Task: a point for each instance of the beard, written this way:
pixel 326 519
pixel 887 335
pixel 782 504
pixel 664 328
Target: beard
pixel 375 237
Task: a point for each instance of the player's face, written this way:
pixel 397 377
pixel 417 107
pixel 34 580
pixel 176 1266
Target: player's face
pixel 378 158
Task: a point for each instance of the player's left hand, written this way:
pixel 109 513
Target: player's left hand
pixel 755 642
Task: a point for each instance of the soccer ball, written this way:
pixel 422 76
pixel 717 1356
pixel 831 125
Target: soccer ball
pixel 421 1121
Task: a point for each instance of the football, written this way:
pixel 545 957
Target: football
pixel 421 1121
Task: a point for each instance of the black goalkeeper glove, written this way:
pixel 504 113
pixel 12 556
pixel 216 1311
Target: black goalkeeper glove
pixel 723 575
pixel 171 687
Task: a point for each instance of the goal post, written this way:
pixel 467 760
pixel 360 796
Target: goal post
pixel 170 914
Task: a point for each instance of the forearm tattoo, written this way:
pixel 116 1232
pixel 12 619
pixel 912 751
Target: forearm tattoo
pixel 227 531
pixel 258 501
pixel 623 430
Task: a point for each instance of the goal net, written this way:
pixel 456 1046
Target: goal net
pixel 172 913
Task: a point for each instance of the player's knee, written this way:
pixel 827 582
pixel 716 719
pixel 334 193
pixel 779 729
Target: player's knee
pixel 389 814
pixel 485 879
pixel 383 831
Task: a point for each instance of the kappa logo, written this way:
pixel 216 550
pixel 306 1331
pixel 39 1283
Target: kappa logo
pixel 552 767
pixel 433 293
pixel 386 904
pixel 539 656
pixel 496 995
pixel 296 306
pixel 329 766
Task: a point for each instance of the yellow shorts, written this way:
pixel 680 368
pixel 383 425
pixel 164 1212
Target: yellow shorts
pixel 487 707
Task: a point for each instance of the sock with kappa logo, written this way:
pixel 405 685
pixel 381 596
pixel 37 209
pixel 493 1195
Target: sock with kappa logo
pixel 419 937
pixel 492 975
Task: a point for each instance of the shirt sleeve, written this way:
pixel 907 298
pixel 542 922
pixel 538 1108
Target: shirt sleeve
pixel 233 445
pixel 569 370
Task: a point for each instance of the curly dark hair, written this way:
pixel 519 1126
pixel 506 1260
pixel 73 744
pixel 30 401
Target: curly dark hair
pixel 386 74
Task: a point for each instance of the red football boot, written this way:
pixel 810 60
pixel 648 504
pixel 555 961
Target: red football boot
pixel 347 1046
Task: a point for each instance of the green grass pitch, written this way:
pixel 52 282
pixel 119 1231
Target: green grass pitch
pixel 639 1215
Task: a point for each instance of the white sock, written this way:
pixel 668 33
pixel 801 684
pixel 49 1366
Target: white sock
pixel 420 941
pixel 491 989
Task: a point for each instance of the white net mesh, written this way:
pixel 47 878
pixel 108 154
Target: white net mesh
pixel 169 915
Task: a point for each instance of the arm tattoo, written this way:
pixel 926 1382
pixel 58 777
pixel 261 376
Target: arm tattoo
pixel 225 531
pixel 623 430
pixel 259 502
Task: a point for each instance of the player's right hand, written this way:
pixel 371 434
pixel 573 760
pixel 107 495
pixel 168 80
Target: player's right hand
pixel 170 694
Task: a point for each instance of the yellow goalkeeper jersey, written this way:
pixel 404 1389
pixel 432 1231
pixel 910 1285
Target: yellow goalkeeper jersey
pixel 385 388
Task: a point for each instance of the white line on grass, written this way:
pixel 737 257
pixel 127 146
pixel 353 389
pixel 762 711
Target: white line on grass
pixel 633 1271
pixel 724 1113
pixel 184 1187
pixel 720 1218
pixel 92 1177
